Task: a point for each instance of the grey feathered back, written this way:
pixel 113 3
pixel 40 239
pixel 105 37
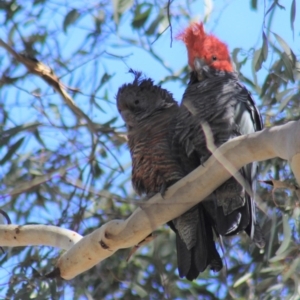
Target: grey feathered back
pixel 222 102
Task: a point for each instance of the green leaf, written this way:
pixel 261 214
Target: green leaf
pixel 12 150
pixel 273 269
pixel 264 284
pixel 235 53
pixel 265 46
pixel 292 269
pixel 281 95
pixel 141 17
pixel 285 102
pixel 154 25
pixel 242 279
pixel 36 133
pixel 119 7
pixel 287 232
pixel 97 171
pixel 280 257
pixel 105 77
pixel 288 67
pixel 139 290
pixel 293 14
pixel 258 59
pixel 35 172
pixel 15 130
pixel 254 4
pixel 276 287
pixel 296 213
pixel 285 46
pixel 70 18
pixel 38 2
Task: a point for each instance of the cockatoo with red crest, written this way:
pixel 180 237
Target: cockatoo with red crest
pixel 216 97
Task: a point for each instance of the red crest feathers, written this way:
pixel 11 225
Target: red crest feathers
pixel 207 47
pixel 193 37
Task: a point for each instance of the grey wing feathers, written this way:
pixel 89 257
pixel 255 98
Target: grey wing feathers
pixel 196 253
pixel 249 120
pixel 229 110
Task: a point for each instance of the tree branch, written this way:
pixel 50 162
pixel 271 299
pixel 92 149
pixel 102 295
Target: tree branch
pixel 47 235
pixel 38 68
pixel 280 141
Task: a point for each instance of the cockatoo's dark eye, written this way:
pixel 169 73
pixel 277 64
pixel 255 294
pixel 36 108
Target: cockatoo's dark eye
pixel 214 58
pixel 136 102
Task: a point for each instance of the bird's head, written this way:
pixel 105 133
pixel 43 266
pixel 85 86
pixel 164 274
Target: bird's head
pixel 204 49
pixel 138 100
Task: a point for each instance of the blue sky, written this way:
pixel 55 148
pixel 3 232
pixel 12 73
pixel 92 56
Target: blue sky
pixel 234 23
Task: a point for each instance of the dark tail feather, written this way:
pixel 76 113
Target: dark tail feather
pixel 230 224
pixel 242 219
pixel 244 215
pixel 225 225
pixel 239 214
pixel 258 237
pixel 253 229
pixel 193 261
pixel 248 223
pixel 183 257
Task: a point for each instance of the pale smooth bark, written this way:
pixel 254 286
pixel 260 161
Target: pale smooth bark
pixel 280 141
pixel 24 235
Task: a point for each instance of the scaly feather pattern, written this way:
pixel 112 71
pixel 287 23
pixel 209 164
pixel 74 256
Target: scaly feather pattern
pixel 215 96
pixel 149 113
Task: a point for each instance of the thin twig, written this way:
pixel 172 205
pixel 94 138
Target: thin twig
pixel 169 20
pixel 46 73
pixel 158 36
pixel 43 71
